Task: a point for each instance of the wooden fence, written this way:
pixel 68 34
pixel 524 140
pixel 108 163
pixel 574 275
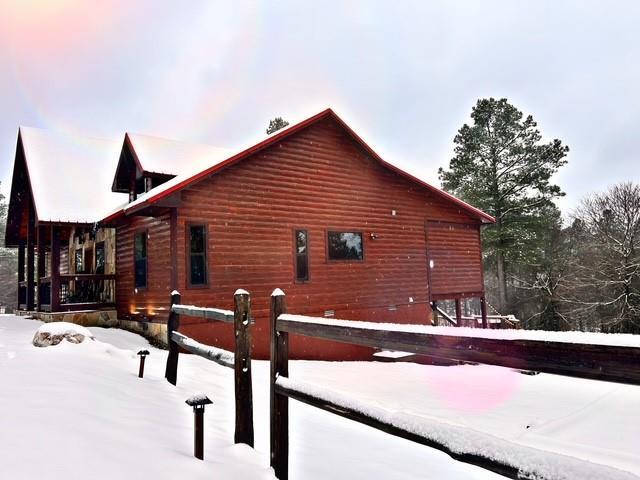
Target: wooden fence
pixel 601 362
pixel 239 360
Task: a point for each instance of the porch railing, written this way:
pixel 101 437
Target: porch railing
pixel 78 292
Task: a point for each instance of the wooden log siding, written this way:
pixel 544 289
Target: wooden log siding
pixel 318 179
pixel 454 257
pixel 153 300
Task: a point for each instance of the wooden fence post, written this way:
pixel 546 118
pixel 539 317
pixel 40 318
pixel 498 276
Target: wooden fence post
pixel 171 371
pixel 242 367
pixel 279 404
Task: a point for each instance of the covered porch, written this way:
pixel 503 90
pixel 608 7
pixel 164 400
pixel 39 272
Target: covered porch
pixel 59 190
pixel 64 267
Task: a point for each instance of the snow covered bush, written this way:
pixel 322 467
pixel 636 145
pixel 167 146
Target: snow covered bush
pixel 54 333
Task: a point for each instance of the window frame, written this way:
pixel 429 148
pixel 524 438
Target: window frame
pixel 104 257
pixel 343 230
pixel 144 231
pixel 80 251
pixel 295 255
pixel 187 242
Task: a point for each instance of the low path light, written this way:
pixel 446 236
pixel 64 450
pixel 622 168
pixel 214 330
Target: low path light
pixel 143 354
pixel 198 402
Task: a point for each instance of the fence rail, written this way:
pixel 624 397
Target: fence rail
pixel 596 362
pixel 239 360
pixel 215 314
pixel 601 362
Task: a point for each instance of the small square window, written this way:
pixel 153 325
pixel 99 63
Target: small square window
pixel 345 246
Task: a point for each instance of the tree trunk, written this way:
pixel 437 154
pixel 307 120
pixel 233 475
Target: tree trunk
pixel 502 279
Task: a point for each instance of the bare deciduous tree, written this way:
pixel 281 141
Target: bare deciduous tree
pixel 604 288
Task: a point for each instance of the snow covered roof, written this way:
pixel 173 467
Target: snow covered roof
pixel 220 158
pixel 70 175
pixel 171 157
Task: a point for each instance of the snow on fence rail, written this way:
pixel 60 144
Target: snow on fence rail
pixel 216 314
pixel 239 360
pixel 611 357
pixel 610 360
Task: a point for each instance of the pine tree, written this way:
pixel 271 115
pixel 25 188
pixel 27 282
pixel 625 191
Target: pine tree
pixel 276 124
pixel 502 167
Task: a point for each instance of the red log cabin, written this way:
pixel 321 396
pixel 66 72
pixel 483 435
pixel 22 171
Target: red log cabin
pixel 311 209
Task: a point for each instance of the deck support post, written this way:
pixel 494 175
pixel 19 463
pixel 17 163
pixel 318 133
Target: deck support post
pixel 458 313
pixel 483 311
pixel 434 313
pixel 31 258
pixel 171 370
pixel 242 368
pixel 54 301
pixel 40 268
pixel 21 252
pixel 279 404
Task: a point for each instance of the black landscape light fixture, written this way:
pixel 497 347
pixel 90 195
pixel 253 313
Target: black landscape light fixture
pixel 198 402
pixel 143 354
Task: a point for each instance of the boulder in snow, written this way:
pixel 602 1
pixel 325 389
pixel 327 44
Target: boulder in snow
pixel 55 332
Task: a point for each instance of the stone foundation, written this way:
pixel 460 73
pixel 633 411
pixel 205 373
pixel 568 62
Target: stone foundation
pixel 156 333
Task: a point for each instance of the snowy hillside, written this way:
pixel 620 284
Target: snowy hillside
pixel 79 411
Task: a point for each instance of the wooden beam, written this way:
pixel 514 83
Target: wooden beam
pixel 212 314
pixel 217 355
pixel 171 369
pixel 21 252
pixel 483 311
pixel 458 313
pixel 40 272
pixel 597 362
pixel 55 268
pixel 31 233
pixel 279 404
pixel 242 369
pixel 350 413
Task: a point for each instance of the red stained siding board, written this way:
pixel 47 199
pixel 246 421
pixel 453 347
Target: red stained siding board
pixel 454 258
pixel 317 179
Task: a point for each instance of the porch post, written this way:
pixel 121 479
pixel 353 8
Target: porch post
pixel 30 258
pixel 458 313
pixel 483 311
pixel 55 269
pixel 40 269
pixel 21 251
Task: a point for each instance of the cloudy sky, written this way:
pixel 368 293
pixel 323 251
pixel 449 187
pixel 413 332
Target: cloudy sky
pixel 404 74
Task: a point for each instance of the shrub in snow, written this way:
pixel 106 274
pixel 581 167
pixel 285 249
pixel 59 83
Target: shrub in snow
pixel 53 333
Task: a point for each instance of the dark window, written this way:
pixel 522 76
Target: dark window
pixel 344 245
pixel 100 258
pixel 302 256
pixel 79 258
pixel 140 253
pixel 197 255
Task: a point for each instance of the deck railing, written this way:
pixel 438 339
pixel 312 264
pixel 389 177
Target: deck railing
pixel 601 362
pixel 77 292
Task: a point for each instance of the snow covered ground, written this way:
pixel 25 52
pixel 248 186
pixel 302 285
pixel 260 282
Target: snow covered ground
pixel 79 411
